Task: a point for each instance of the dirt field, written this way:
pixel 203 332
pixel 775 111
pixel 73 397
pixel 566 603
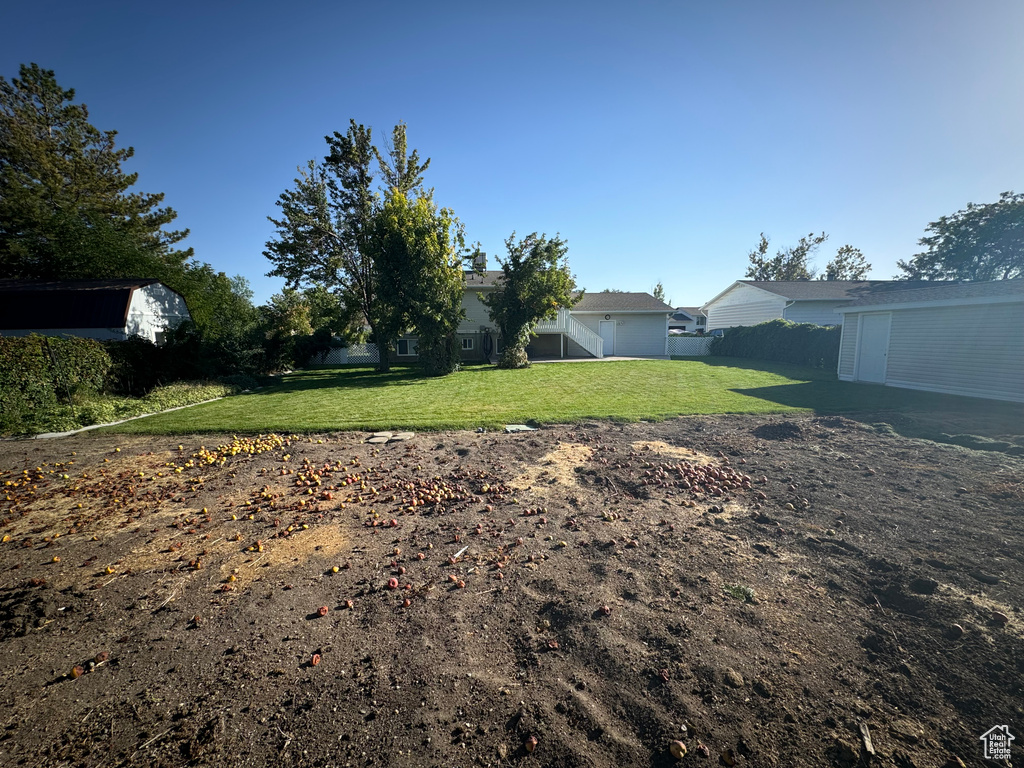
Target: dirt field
pixel 769 592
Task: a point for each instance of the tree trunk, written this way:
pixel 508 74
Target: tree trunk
pixel 384 356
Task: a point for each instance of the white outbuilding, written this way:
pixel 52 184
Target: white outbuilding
pixel 960 339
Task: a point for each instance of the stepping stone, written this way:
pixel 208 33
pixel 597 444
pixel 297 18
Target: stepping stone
pixel 399 436
pixel 378 439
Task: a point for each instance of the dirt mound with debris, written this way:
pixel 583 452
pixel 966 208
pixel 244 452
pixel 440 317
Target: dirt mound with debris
pixel 806 593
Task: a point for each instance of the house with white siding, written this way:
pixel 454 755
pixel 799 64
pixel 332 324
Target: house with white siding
pixel 96 309
pixel 956 338
pixel 598 325
pixel 687 320
pixel 750 302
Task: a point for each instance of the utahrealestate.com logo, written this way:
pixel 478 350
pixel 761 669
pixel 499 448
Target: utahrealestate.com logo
pixel 997 742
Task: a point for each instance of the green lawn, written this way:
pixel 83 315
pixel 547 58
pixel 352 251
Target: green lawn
pixel 327 399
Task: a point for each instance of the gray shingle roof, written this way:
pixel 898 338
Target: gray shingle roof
pixel 823 290
pixel 620 302
pixel 591 302
pixel 489 278
pixel 944 292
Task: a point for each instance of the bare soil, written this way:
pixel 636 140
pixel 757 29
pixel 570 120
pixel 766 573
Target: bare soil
pixel 770 592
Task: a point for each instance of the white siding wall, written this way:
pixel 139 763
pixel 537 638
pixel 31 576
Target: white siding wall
pixel 640 334
pixel 848 348
pixel 929 349
pixel 744 305
pixel 817 312
pixel 153 310
pixel 476 313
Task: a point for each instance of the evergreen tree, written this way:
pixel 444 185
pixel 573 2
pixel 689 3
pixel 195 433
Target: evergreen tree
pixel 66 209
pixel 849 264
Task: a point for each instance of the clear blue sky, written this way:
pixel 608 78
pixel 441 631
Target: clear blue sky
pixel 659 138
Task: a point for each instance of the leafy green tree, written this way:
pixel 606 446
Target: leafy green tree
pixel 849 264
pixel 322 231
pixel 326 310
pixel 417 250
pixel 535 282
pixel 287 314
pixel 66 209
pixel 221 307
pixel 978 243
pixel 787 263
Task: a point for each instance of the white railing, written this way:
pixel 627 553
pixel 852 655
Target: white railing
pixel 575 330
pixel 689 346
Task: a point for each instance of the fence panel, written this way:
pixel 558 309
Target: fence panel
pixel 689 346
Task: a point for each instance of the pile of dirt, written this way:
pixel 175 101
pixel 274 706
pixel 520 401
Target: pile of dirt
pixel 805 592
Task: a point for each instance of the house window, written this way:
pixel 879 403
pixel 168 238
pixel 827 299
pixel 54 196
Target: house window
pixel 700 320
pixel 407 347
pixel 467 343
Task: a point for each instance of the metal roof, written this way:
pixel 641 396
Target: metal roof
pixel 42 304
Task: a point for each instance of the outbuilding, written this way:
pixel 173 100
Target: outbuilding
pixel 960 339
pixel 95 309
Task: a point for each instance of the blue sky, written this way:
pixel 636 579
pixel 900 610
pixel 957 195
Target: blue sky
pixel 659 138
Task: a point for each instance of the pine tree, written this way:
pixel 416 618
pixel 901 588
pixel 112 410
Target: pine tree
pixel 66 209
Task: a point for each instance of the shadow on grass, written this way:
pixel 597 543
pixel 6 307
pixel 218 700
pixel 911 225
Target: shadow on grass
pixel 909 412
pixel 344 378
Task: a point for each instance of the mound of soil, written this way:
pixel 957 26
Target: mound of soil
pixel 810 592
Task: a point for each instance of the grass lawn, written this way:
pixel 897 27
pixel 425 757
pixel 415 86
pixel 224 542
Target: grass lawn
pixel 327 399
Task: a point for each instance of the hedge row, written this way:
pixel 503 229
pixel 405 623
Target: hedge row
pixel 38 373
pixel 815 346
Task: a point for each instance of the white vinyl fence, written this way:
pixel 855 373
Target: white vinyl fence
pixel 689 346
pixel 357 353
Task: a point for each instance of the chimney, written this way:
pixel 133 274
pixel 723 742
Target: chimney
pixel 480 262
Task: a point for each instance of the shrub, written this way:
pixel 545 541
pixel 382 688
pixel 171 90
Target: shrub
pixel 816 346
pixel 137 366
pixel 38 373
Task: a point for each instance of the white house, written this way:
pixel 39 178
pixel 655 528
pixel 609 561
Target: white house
pixel 96 309
pixel 599 325
pixel 958 338
pixel 749 302
pixel 688 320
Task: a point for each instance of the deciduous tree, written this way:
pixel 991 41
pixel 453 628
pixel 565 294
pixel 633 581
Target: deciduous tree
pixel 787 263
pixel 980 242
pixel 535 282
pixel 417 251
pixel 322 233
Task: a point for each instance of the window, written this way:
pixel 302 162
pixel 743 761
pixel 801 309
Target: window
pixel 407 347
pixel 700 320
pixel 467 343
